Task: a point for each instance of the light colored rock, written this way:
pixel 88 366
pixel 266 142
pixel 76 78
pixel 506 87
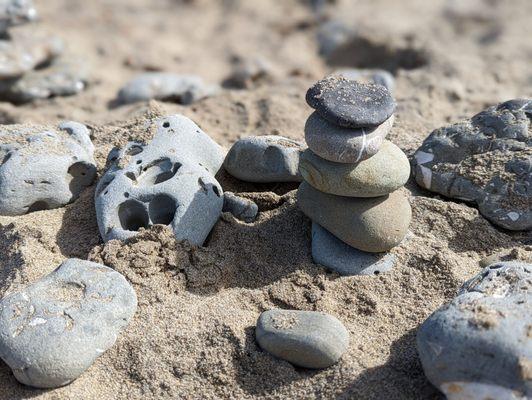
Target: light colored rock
pixel 243 209
pixel 53 330
pixel 169 181
pixel 16 12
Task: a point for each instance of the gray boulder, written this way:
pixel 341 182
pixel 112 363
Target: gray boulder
pixel 53 330
pixel 241 208
pixel 169 181
pixel 16 12
pixel 486 160
pixel 43 167
pixel 479 344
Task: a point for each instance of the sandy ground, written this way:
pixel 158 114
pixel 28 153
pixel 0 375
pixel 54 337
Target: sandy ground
pixel 193 334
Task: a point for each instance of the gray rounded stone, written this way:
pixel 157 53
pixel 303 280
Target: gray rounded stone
pixel 344 145
pixel 385 172
pixel 54 329
pixel 486 160
pixel 350 104
pixel 480 344
pixel 264 159
pixel 43 167
pixel 376 76
pixel 307 339
pixel 332 35
pixel 243 209
pixel 374 224
pixel 16 12
pixel 169 181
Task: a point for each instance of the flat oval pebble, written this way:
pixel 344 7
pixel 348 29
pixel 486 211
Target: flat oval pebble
pixel 374 224
pixel 385 172
pixel 344 145
pixel 347 103
pixel 307 339
pixel 480 344
pixel 54 329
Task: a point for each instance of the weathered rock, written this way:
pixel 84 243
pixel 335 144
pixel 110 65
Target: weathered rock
pixel 486 160
pixel 183 89
pixel 53 330
pixel 344 145
pixel 386 171
pixel 264 159
pixel 350 104
pixel 373 224
pixel 43 167
pixel 243 209
pixel 377 76
pixel 169 181
pixel 307 339
pixel 16 12
pixel 480 343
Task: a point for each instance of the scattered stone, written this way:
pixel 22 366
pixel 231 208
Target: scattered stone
pixel 16 12
pixel 479 344
pixel 374 224
pixel 264 159
pixel 43 167
pixel 376 76
pixel 385 172
pixel 344 145
pixel 250 73
pixel 243 209
pixel 486 160
pixel 183 89
pixel 333 35
pixel 308 339
pixel 169 181
pixel 350 104
pixel 53 330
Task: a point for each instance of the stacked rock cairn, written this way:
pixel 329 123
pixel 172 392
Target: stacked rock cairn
pixel 352 176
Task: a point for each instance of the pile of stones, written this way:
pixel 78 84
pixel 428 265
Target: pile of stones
pixel 352 176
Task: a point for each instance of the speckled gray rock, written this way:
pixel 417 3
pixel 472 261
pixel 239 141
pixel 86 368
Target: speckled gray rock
pixel 243 209
pixel 386 171
pixel 344 145
pixel 183 89
pixel 377 76
pixel 480 343
pixel 350 104
pixel 54 329
pixel 332 253
pixel 43 167
pixel 486 160
pixel 374 224
pixel 264 159
pixel 307 339
pixel 16 12
pixel 169 181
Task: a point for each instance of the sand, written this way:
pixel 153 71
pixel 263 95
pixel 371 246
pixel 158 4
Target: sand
pixel 193 334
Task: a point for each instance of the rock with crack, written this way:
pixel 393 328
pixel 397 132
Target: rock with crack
pixel 53 330
pixel 486 160
pixel 16 12
pixel 169 181
pixel 43 167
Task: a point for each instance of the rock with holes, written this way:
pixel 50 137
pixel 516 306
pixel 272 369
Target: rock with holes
pixel 16 12
pixel 486 160
pixel 242 208
pixel 264 159
pixel 307 339
pixel 43 167
pixel 377 76
pixel 54 329
pixel 480 344
pixel 169 181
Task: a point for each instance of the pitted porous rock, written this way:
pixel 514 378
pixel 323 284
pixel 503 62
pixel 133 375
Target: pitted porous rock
pixel 16 12
pixel 486 160
pixel 43 167
pixel 54 329
pixel 169 181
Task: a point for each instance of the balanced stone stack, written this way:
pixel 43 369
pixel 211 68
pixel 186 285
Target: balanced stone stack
pixel 352 176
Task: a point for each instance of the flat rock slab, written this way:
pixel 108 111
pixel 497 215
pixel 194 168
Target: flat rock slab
pixel 480 343
pixel 376 76
pixel 169 181
pixel 53 330
pixel 350 104
pixel 307 339
pixel 43 167
pixel 16 12
pixel 486 160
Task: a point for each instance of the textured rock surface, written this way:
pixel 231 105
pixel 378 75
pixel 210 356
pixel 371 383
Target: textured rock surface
pixel 53 330
pixel 486 160
pixel 264 159
pixel 169 181
pixel 43 167
pixel 377 76
pixel 307 339
pixel 344 145
pixel 480 343
pixel 386 171
pixel 243 209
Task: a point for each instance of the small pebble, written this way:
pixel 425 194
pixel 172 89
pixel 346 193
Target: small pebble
pixel 16 12
pixel 243 209
pixel 250 73
pixel 332 35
